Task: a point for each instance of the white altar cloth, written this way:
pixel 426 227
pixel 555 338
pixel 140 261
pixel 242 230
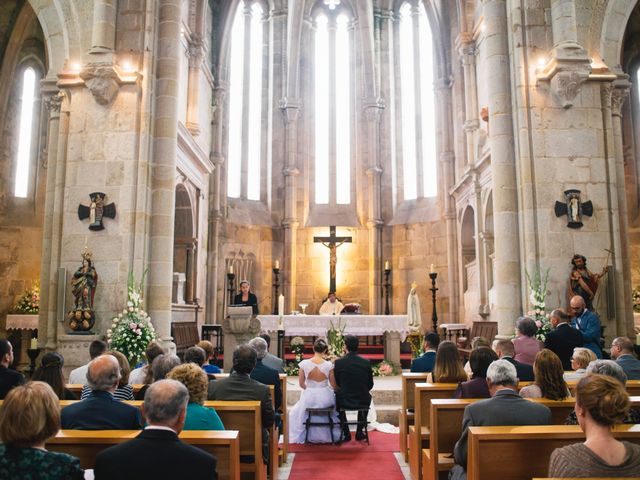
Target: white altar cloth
pixel 22 322
pixel 317 325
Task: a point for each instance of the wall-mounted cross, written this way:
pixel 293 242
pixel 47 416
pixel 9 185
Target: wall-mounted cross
pixel 332 243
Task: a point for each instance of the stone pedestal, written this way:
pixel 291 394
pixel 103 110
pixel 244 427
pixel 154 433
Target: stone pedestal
pixel 179 280
pixel 392 348
pixel 238 328
pixel 75 349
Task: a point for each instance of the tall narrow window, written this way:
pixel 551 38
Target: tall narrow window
pixel 25 135
pixel 417 104
pixel 332 64
pixel 245 150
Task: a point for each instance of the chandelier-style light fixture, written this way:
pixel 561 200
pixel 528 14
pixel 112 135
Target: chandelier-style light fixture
pixel 332 4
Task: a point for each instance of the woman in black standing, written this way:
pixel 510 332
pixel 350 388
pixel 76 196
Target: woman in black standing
pixel 246 297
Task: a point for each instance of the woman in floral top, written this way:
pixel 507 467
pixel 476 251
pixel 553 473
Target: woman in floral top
pixel 29 416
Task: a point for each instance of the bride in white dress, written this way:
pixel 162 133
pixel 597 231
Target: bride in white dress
pixel 314 378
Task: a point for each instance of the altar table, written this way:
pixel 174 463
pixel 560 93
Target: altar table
pixel 393 327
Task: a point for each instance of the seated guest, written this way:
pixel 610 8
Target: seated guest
pixel 264 374
pixel 506 351
pixel 505 407
pixel 100 411
pixel 8 378
pixel 195 355
pixel 601 403
pixel 124 390
pixel 196 381
pixel 331 306
pixel 209 352
pixel 271 360
pixel 426 361
pixel 448 367
pixel 611 369
pixel 477 387
pixel 526 344
pixel 30 415
pixel 161 365
pixel 157 452
pixel 143 374
pixel 579 360
pixel 476 342
pixel 588 323
pixel 548 378
pixel 79 375
pixel 246 297
pixel 563 339
pixel 240 386
pixel 622 353
pixel 50 372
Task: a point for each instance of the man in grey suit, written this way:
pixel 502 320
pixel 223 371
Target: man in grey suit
pixel 622 353
pixel 240 386
pixel 271 360
pixel 506 407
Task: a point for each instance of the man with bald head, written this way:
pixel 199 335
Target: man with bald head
pixel 622 353
pixel 157 452
pixel 587 323
pixel 100 411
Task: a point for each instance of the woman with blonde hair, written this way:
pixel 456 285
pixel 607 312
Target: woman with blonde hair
pixel 580 359
pixel 548 378
pixel 29 416
pixel 448 367
pixel 199 417
pixel 601 403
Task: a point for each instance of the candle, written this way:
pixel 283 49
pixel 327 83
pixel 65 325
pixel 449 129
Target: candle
pixel 277 266
pixel 433 270
pixel 638 339
pixel 34 343
pixel 85 242
pixel 386 265
pixel 230 268
pixel 281 305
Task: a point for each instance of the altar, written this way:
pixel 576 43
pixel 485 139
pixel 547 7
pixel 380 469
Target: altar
pixel 393 327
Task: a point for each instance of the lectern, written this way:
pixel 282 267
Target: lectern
pixel 239 327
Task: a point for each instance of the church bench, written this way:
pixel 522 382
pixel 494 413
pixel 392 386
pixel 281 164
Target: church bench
pixel 518 453
pixel 87 444
pixel 406 416
pixel 446 428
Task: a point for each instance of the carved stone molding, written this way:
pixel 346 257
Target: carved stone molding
pixel 619 94
pixel 566 86
pixel 290 109
pixel 54 102
pixel 104 79
pixel 290 171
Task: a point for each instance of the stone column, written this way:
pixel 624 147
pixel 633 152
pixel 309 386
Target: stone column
pixel 189 274
pixel 163 167
pixel 103 34
pixel 478 220
pixel 195 62
pixel 467 52
pixel 48 275
pixel 216 191
pixel 501 142
pixel 563 22
pixel 624 316
pixel 290 110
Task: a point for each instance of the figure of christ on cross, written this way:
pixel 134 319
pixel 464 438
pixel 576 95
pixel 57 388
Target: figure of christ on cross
pixel 332 243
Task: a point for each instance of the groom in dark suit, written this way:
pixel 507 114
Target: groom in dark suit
pixel 354 379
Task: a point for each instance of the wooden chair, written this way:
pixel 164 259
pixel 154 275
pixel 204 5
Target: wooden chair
pixel 86 444
pixel 480 328
pixel 406 414
pixel 516 453
pixel 185 335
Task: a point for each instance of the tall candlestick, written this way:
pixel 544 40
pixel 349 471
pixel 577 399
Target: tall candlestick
pixel 281 305
pixel 277 264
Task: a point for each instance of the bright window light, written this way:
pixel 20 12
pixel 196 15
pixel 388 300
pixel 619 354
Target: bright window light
pixel 429 175
pixel 321 111
pixel 343 130
pixel 236 74
pixel 26 132
pixel 254 138
pixel 407 89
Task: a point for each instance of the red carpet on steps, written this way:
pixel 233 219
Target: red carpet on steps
pixel 348 461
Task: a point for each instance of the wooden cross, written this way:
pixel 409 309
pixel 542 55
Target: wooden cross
pixel 332 243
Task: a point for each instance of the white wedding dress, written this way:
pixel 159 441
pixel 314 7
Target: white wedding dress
pixel 316 395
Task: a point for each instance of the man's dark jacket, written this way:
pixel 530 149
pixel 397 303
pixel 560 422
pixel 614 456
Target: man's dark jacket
pixel 355 379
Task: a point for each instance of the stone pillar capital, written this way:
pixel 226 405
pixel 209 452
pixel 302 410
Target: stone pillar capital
pixel 290 171
pixel 619 94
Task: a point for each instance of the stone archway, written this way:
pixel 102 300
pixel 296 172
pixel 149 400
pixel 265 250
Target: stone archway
pixel 469 264
pixel 184 247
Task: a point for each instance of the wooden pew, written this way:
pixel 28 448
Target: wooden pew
pixel 518 453
pixel 406 416
pixel 86 444
pixel 446 428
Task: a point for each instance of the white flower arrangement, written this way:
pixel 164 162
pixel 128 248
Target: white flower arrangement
pixel 132 330
pixel 538 287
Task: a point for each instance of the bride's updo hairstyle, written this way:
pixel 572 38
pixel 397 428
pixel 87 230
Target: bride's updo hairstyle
pixel 320 346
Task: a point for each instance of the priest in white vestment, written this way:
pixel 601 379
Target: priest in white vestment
pixel 332 306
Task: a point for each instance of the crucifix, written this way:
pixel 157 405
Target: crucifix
pixel 332 243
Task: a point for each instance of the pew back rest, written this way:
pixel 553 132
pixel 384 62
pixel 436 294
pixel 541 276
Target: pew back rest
pixel 409 381
pixel 424 393
pixel 86 445
pixel 516 453
pixel 243 416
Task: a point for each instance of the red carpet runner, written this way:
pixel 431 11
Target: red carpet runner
pixel 349 460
